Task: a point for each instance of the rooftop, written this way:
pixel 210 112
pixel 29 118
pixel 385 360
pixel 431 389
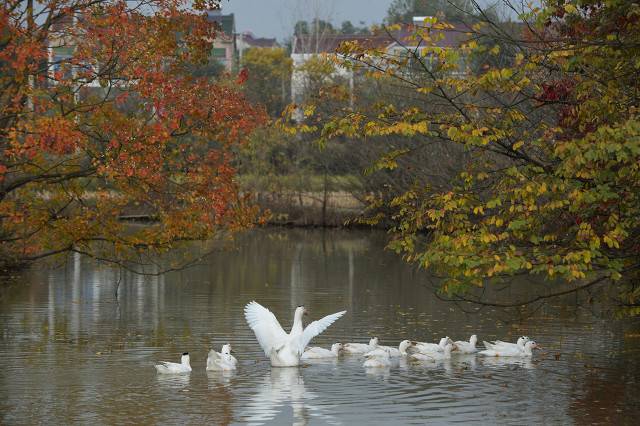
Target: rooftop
pixel 305 43
pixel 251 40
pixel 226 22
pixel 328 43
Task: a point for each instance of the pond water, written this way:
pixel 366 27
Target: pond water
pixel 71 353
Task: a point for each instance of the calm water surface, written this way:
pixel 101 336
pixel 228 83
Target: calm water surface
pixel 71 353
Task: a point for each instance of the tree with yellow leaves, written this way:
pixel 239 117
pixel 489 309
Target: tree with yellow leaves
pixel 551 183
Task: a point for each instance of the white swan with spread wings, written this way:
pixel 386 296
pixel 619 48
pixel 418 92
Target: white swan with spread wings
pixel 284 350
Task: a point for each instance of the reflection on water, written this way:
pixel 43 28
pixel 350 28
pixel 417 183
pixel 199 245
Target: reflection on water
pixel 444 365
pixel 508 362
pixel 325 361
pixel 74 353
pixel 174 381
pixel 280 387
pixel 222 377
pixel 380 372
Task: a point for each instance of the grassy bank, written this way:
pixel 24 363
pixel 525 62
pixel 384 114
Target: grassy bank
pixel 297 208
pixel 306 199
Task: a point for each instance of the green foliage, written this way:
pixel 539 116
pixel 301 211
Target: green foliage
pixel 315 26
pixel 348 28
pixel 269 81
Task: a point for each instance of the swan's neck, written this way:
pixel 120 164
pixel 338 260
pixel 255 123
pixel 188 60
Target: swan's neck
pixel 185 360
pixel 403 348
pixel 297 323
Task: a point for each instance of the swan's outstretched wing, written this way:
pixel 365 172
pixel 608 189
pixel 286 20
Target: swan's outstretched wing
pixel 266 327
pixel 316 328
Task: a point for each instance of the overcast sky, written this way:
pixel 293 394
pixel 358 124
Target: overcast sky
pixel 275 18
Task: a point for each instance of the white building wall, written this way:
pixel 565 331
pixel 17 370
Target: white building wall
pixel 298 77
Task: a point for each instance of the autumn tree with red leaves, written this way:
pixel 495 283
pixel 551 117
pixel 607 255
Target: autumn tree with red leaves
pixel 114 124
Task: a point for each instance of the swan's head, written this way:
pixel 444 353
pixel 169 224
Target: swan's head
pixel 473 340
pixel 373 341
pixel 522 340
pixel 300 311
pixel 531 345
pixel 404 345
pixel 336 348
pixel 226 349
pixel 185 360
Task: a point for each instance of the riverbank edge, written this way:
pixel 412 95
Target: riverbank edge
pixel 337 209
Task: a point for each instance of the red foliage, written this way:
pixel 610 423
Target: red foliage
pixel 121 114
pixel 243 75
pixel 557 91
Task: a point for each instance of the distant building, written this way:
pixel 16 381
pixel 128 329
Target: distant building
pixel 400 42
pixel 305 47
pixel 224 48
pixel 61 49
pixel 227 48
pixel 247 40
pixel 404 40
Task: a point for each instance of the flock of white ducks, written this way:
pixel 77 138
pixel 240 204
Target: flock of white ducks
pixel 288 349
pixel 380 356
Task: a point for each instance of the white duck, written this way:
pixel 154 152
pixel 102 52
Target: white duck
pixel 428 348
pixel 284 350
pixel 467 347
pixel 322 353
pixel 527 351
pixel 434 356
pixel 522 340
pixel 377 358
pixel 401 350
pixel 360 348
pixel 173 367
pixel 221 361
